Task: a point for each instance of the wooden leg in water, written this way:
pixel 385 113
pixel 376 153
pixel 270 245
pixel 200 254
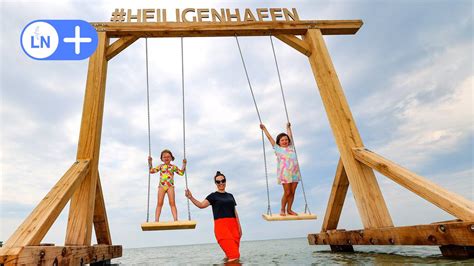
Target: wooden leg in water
pixel 342 248
pixel 101 263
pixel 459 252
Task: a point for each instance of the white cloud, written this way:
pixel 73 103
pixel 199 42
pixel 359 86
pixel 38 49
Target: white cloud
pixel 435 127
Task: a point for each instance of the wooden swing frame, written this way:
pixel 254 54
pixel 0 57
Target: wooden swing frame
pixel 81 183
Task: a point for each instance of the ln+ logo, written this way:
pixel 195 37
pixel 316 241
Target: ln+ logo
pixel 59 40
pixel 39 40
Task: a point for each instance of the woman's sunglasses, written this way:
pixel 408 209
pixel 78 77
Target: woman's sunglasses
pixel 220 181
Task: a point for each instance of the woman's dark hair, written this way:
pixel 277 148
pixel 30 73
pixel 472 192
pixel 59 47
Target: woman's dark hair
pixel 166 151
pixel 218 173
pixel 281 135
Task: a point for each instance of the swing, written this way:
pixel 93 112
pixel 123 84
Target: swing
pixel 166 225
pixel 269 216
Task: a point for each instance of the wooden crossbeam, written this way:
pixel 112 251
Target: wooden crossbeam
pixel 68 255
pixel 101 223
pixel 293 41
pixel 368 197
pixel 450 202
pixel 119 45
pixel 336 199
pixel 80 220
pixel 37 224
pixel 209 29
pixel 460 234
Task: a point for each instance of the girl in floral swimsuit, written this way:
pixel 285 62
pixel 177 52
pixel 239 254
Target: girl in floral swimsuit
pixel 166 185
pixel 288 171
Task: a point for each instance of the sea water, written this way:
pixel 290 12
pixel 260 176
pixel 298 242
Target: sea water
pixel 294 251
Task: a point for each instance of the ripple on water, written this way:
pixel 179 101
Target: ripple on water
pixel 285 252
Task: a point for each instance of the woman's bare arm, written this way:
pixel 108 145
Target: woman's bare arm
pixel 200 204
pixel 238 221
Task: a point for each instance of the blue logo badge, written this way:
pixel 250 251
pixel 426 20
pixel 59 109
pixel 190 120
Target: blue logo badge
pixel 59 39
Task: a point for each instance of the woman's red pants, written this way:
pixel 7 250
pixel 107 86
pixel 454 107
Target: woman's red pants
pixel 227 234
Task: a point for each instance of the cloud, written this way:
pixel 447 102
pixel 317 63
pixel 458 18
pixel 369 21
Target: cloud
pixel 425 112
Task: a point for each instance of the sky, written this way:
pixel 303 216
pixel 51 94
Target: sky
pixel 407 75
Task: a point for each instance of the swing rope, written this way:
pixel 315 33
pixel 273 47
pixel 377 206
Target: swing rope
pixel 149 131
pixel 306 208
pixel 184 122
pixel 269 210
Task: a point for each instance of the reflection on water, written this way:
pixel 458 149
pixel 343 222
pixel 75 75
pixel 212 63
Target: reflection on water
pixel 286 252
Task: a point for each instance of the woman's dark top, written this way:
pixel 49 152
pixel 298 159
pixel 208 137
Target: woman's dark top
pixel 223 205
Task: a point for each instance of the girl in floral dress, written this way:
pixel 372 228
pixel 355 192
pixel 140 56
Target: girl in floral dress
pixel 166 185
pixel 288 171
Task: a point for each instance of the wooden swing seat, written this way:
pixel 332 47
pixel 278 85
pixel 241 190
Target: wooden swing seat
pixel 168 225
pixel 300 216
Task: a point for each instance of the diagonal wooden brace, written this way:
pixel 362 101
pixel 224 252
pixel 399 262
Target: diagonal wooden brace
pixel 336 199
pixel 37 224
pixel 450 202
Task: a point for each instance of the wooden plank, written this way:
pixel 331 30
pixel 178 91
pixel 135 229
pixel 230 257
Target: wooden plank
pixel 68 255
pixel 336 199
pixel 79 226
pixel 169 225
pixel 101 223
pixel 212 29
pixel 293 41
pixel 36 225
pixel 119 45
pixel 461 234
pixel 367 194
pixel 450 202
pixel 300 216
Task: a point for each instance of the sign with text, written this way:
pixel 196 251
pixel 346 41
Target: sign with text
pixel 190 15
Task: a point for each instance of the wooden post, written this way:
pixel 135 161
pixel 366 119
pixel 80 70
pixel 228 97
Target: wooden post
pixel 367 194
pixel 101 223
pixel 336 199
pixel 79 226
pixel 457 252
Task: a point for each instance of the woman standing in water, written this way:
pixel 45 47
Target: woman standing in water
pixel 226 220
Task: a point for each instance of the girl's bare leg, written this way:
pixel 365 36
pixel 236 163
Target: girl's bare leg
pixel 292 198
pixel 159 204
pixel 172 202
pixel 284 198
